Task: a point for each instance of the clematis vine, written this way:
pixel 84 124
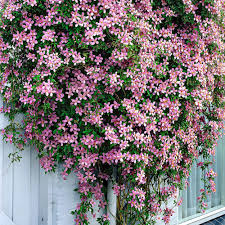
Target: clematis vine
pixel 132 87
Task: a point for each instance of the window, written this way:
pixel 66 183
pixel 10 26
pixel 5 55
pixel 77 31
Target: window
pixel 216 202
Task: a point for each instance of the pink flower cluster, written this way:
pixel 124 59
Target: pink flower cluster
pixel 125 86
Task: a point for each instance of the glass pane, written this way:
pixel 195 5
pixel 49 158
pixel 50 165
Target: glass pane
pixel 189 207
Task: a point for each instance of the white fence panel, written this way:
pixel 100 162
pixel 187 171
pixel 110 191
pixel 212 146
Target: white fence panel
pixel 22 190
pixel 7 181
